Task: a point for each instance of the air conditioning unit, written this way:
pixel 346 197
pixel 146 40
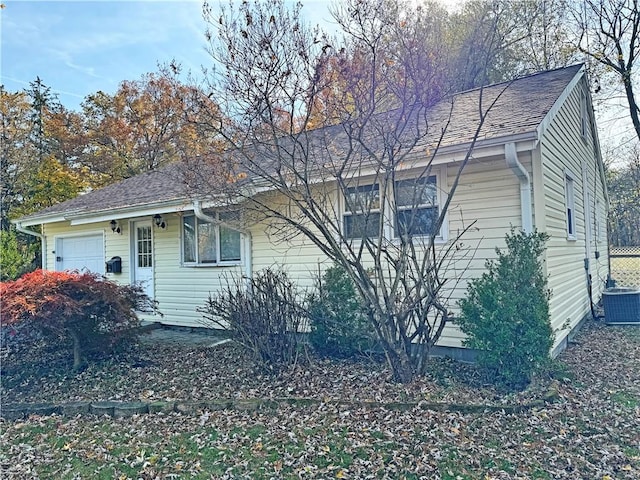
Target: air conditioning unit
pixel 621 306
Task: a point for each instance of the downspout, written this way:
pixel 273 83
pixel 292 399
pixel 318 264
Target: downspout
pixel 43 242
pixel 525 186
pixel 246 235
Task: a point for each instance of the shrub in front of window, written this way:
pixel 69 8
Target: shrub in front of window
pixel 339 327
pixel 96 316
pixel 263 315
pixel 506 312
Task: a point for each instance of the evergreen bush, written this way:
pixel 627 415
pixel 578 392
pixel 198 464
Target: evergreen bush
pixel 14 257
pixel 506 312
pixel 339 327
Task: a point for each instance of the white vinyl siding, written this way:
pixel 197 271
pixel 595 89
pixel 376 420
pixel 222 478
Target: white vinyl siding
pixel 564 149
pixel 584 116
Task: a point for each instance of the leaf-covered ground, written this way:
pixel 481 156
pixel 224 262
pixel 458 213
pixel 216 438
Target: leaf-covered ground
pixel 591 431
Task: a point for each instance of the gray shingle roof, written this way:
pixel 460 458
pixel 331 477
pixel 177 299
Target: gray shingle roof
pixel 144 189
pixel 520 108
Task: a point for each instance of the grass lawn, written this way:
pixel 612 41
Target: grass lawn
pixel 591 431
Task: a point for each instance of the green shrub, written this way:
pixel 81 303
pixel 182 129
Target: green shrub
pixel 264 316
pixel 95 315
pixel 506 312
pixel 339 327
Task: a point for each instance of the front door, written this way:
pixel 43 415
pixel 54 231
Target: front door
pixel 143 256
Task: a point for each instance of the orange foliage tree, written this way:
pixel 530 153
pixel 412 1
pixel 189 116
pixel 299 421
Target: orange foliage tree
pixel 147 124
pixel 96 314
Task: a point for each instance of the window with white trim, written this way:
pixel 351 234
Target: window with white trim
pixel 584 116
pixel 596 220
pixel 416 206
pixel 413 208
pixel 206 243
pixel 569 194
pixel 362 211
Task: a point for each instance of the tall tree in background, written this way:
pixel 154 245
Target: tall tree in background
pixel 546 40
pixel 43 103
pixel 624 191
pixel 483 37
pixel 35 173
pixel 146 124
pixel 609 34
pixel 16 151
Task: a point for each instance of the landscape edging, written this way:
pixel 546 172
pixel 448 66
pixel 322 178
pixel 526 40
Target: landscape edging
pixel 117 409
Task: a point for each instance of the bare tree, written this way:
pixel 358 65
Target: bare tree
pixel 609 34
pixel 624 190
pixel 363 191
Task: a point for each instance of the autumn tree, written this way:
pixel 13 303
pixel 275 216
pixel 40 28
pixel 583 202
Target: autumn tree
pixel 37 169
pixel 482 43
pixel 547 40
pixel 270 67
pixel 83 308
pixel 483 35
pixel 146 124
pixel 16 151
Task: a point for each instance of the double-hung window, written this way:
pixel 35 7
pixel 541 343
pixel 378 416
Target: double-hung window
pixel 362 211
pixel 206 243
pixel 584 116
pixel 416 206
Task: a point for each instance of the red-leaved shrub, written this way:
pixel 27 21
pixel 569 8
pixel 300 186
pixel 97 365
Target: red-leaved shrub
pixel 97 314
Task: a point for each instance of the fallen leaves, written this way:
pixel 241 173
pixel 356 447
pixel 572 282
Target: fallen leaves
pixel 592 430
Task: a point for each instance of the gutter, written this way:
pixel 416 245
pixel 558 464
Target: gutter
pixel 246 235
pixel 525 185
pixel 43 242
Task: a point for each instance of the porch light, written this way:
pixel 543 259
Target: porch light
pixel 159 221
pixel 115 228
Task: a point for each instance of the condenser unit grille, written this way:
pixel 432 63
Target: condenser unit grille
pixel 621 306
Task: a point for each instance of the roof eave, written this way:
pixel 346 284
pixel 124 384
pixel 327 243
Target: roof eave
pixel 81 217
pixel 486 148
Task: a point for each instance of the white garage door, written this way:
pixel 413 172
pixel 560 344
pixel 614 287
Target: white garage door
pixel 80 253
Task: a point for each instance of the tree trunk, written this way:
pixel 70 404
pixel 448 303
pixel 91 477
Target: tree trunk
pixel 631 99
pixel 400 363
pixel 78 361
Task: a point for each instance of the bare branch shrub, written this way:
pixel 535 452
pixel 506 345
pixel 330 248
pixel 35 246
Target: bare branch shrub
pixel 265 317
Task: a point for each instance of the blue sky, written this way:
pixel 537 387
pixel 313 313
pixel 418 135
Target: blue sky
pixel 80 47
